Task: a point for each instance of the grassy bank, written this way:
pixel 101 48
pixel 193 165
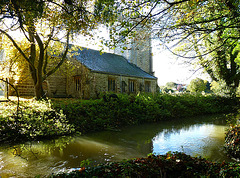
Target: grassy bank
pixel 48 119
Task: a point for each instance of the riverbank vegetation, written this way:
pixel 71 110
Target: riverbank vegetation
pixel 31 120
pixel 232 138
pixel 94 115
pixel 51 118
pixel 168 165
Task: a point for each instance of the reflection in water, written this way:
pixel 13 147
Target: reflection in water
pixel 199 140
pixel 201 137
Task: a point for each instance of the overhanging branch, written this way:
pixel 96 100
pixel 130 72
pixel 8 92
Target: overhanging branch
pixel 17 47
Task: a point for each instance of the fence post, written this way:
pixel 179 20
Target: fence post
pixel 6 89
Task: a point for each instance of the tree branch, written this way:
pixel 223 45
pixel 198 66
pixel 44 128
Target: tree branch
pixel 64 57
pixel 17 47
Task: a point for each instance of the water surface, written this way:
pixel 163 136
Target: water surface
pixel 200 136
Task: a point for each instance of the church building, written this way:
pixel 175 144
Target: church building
pixel 88 73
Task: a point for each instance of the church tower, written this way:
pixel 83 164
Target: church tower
pixel 138 50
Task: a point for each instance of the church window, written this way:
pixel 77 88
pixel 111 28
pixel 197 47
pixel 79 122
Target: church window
pixel 77 83
pixel 132 87
pixel 111 84
pixel 147 86
pixel 124 86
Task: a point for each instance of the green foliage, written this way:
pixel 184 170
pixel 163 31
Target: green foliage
pixel 219 88
pixel 36 120
pixel 105 10
pixel 28 9
pixel 232 141
pixel 164 89
pixel 94 115
pixel 85 163
pixel 232 138
pixel 171 85
pixel 45 119
pixel 168 165
pixel 197 85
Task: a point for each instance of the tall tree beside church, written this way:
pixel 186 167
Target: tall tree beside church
pixel 211 31
pixel 43 23
pixel 194 23
pixel 222 64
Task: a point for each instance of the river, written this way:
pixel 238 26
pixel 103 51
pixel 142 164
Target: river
pixel 200 136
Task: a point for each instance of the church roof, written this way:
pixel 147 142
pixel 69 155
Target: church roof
pixel 108 63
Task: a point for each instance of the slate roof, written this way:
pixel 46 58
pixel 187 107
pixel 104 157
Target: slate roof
pixel 108 63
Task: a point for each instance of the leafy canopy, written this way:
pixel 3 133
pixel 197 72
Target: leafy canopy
pixel 197 85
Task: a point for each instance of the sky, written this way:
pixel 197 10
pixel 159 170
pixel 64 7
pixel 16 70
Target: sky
pixel 169 68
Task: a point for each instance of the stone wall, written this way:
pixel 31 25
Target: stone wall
pixel 23 84
pixel 53 86
pixel 99 85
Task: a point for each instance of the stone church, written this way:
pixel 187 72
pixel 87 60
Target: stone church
pixel 90 73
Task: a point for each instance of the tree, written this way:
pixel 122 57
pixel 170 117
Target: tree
pixel 208 29
pixel 219 88
pixel 217 52
pixel 176 19
pixel 197 85
pixel 164 89
pixel 221 64
pixel 43 23
pixel 171 85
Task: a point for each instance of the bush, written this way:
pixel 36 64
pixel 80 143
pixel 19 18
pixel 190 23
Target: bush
pixel 94 115
pixel 232 141
pixel 36 119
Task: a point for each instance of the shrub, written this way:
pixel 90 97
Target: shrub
pixel 36 119
pixel 94 115
pixel 232 141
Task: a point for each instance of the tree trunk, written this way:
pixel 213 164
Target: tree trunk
pixel 39 93
pixel 38 87
pixel 37 69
